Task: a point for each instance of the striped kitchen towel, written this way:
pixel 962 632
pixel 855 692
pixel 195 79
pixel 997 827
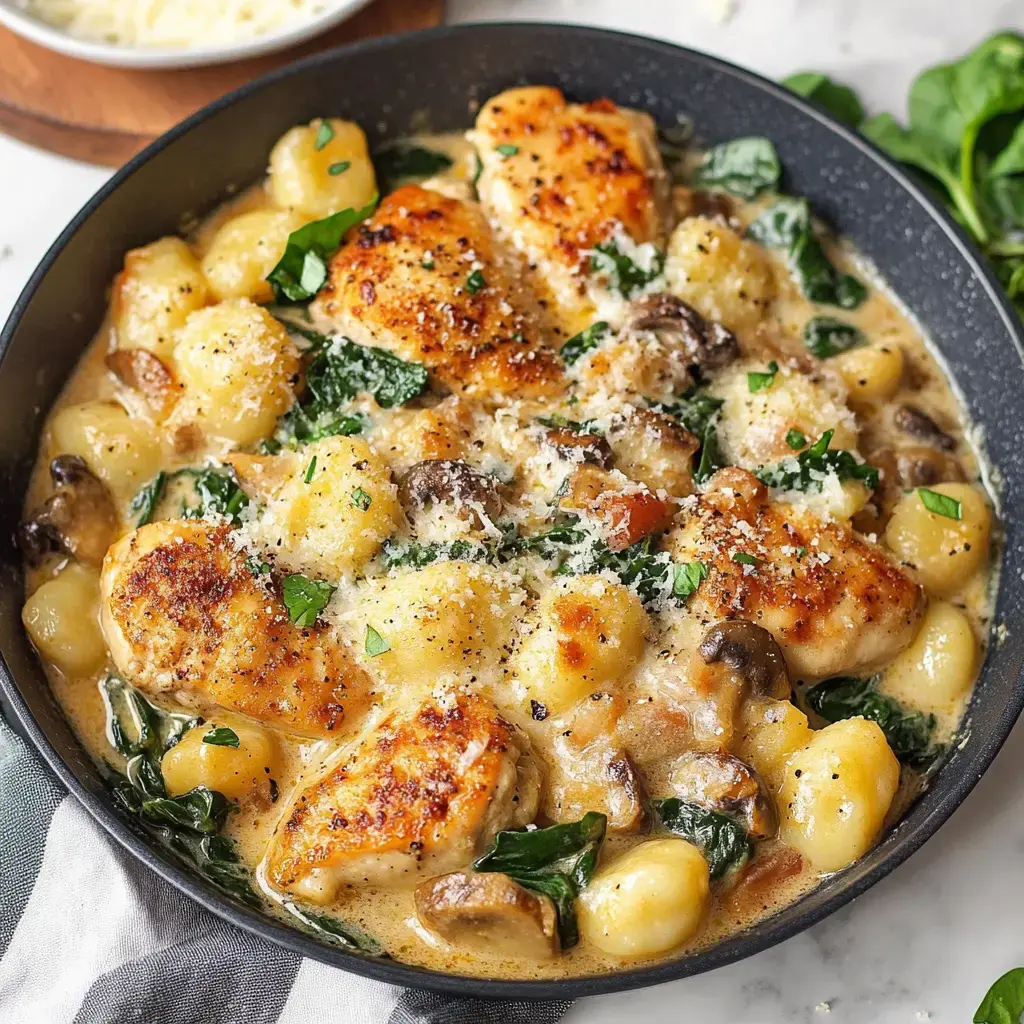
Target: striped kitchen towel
pixel 89 936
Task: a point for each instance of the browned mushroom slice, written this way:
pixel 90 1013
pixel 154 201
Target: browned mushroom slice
pixel 698 202
pixel 79 518
pixel 473 495
pixel 720 782
pixel 708 344
pixel 145 373
pixel 579 446
pixel 489 913
pixel 921 466
pixel 913 421
pixel 752 653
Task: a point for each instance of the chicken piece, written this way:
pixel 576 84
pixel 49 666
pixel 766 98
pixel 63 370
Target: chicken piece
pixel 559 178
pixel 182 613
pixel 424 279
pixel 421 793
pixel 834 602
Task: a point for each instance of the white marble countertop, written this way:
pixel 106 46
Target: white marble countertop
pixel 925 943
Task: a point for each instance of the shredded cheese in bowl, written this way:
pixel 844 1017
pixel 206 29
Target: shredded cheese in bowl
pixel 172 24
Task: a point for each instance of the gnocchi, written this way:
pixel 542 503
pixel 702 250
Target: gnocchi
pixel 244 251
pixel 62 618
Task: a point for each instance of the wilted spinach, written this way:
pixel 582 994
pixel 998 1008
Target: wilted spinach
pixel 826 336
pixel 723 840
pixel 335 931
pixel 558 861
pixel 399 162
pixel 909 732
pixel 579 344
pixel 806 471
pixel 695 409
pixel 745 167
pixel 304 598
pixel 214 492
pixel 623 274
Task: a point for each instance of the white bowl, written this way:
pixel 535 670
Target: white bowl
pixel 53 38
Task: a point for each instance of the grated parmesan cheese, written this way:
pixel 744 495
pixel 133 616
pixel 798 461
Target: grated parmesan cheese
pixel 172 24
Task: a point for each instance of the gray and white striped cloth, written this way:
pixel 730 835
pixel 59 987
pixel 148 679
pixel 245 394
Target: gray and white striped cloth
pixel 89 936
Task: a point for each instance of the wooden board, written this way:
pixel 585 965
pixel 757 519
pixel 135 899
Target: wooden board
pixel 105 115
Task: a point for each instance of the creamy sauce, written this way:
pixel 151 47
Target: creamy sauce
pixel 388 913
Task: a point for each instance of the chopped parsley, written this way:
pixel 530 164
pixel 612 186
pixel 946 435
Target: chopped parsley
pixel 324 134
pixel 304 598
pixel 940 504
pixel 795 439
pixel 687 578
pixel 475 282
pixel 402 161
pixel 221 736
pixel 625 275
pixel 427 264
pixel 579 344
pixel 507 149
pixel 808 470
pixel 761 381
pixel 339 168
pixel 361 499
pixel 826 336
pixel 744 559
pixel 375 643
pixel 310 469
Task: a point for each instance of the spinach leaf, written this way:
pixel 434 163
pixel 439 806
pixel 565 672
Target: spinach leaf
pixel 826 336
pixel 399 162
pixel 1004 1001
pixel 579 344
pixel 304 598
pixel 334 931
pixel 622 273
pixel 302 269
pixel 711 457
pixel 745 167
pixel 558 861
pixel 146 500
pixel 199 810
pixel 695 409
pixel 839 100
pixel 807 471
pixel 688 578
pixel 345 369
pixel 1011 158
pixel 135 725
pixel 218 493
pixel 641 566
pixel 221 736
pixel 723 840
pixel 787 225
pixel 411 554
pixel 762 381
pixel 909 732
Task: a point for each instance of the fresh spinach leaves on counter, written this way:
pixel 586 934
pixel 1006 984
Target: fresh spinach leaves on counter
pixel 558 861
pixel 745 167
pixel 1004 1001
pixel 723 840
pixel 787 225
pixel 624 274
pixel 807 471
pixel 909 732
pixel 579 344
pixel 839 100
pixel 304 598
pixel 399 162
pixel 187 825
pixel 302 269
pixel 825 336
pixel 966 134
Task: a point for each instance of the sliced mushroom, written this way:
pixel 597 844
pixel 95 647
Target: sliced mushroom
pixel 752 653
pixel 79 518
pixel 489 913
pixel 921 466
pixel 913 421
pixel 472 494
pixel 145 373
pixel 720 782
pixel 579 447
pixel 708 344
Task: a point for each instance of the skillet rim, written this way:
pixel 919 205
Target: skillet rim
pixel 763 935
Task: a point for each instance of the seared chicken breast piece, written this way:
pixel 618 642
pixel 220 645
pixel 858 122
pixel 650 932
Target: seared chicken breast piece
pixel 420 794
pixel 834 602
pixel 425 279
pixel 183 615
pixel 560 177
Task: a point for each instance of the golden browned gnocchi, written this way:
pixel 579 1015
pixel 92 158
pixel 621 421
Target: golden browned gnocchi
pixel 526 528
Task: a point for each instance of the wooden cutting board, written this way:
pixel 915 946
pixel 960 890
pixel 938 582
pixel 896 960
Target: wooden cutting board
pixel 105 115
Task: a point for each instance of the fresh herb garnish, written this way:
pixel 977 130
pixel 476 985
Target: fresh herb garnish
pixel 375 643
pixel 826 336
pixel 146 500
pixel 324 134
pixel 336 932
pixel 641 566
pixel 839 100
pixel 217 493
pixel 711 458
pixel 808 470
pixel 302 270
pixel 625 275
pixel 940 504
pixel 558 861
pixel 339 168
pixel 361 499
pixel 507 149
pixel 687 578
pixel 579 344
pixel 221 736
pixel 724 841
pixel 310 469
pixel 695 409
pixel 762 381
pixel 1004 1001
pixel 744 559
pixel 909 732
pixel 402 161
pixel 795 439
pixel 787 225
pixel 744 167
pixel 304 598
pixel 475 282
